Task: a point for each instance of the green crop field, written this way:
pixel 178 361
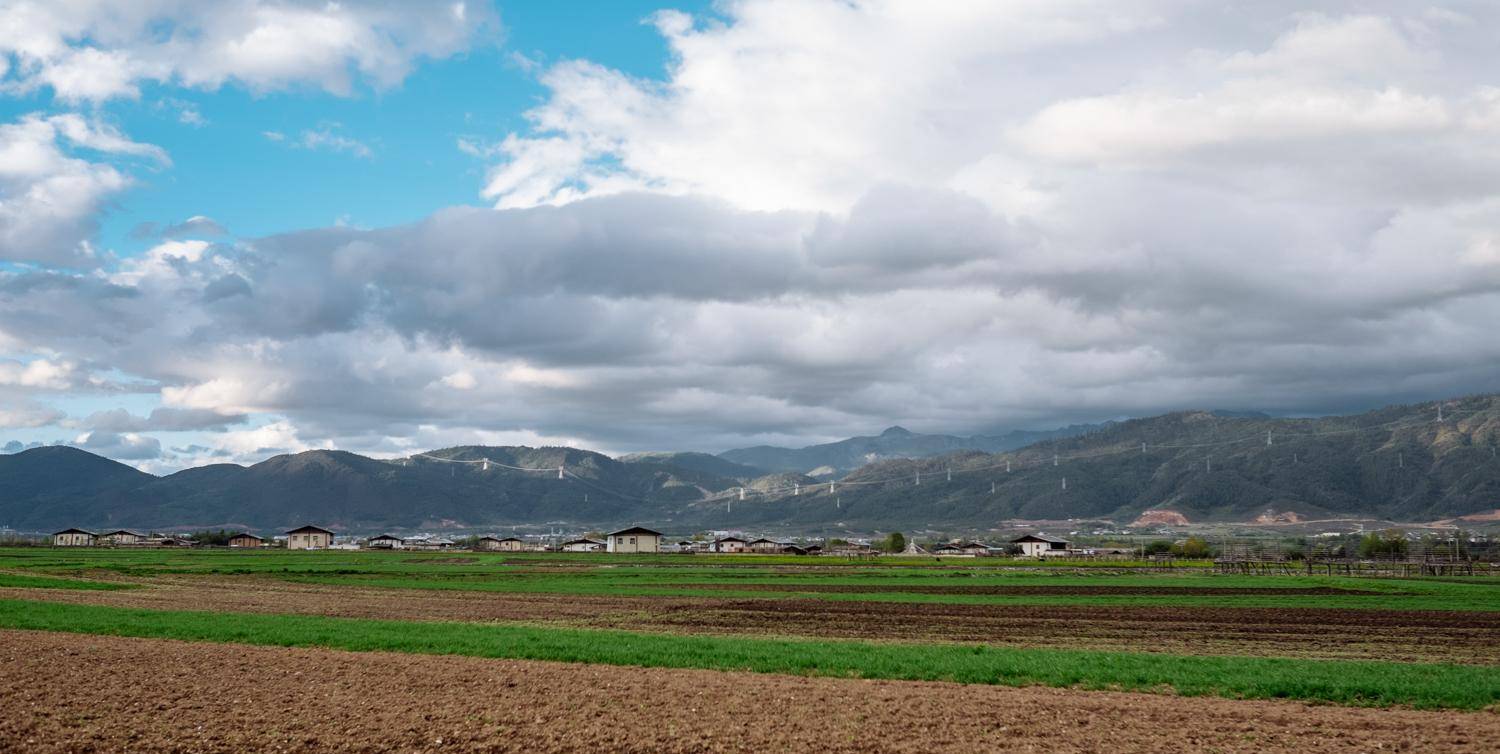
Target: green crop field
pixel 1425 643
pixel 897 580
pixel 1362 683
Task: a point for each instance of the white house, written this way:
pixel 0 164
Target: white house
pixel 384 542
pixel 583 545
pixel 124 537
pixel 729 544
pixel 1036 545
pixel 634 539
pixel 74 538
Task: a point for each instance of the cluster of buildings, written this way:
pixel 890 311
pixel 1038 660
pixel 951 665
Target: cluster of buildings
pixel 636 539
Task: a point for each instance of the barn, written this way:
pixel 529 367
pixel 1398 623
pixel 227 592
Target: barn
pixel 583 545
pixel 308 538
pixel 634 539
pixel 1036 545
pixel 124 537
pixel 246 539
pixel 766 546
pixel 729 544
pixel 384 542
pixel 505 544
pixel 74 538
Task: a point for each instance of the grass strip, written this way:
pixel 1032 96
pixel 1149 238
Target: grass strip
pixel 24 581
pixel 1359 683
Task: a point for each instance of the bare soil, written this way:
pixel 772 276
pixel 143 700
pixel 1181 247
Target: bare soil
pixel 68 693
pixel 1402 636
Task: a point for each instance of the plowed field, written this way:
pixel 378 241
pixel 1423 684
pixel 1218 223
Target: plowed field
pixel 65 693
pixel 1410 636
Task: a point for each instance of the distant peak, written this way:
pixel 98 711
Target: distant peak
pixel 896 431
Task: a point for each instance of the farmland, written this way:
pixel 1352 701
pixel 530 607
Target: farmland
pixel 1115 638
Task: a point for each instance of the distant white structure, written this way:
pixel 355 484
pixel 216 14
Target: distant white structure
pixel 634 539
pixel 583 545
pixel 74 538
pixel 729 544
pixel 124 537
pixel 1036 545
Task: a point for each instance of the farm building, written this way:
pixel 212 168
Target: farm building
pixel 767 546
pixel 308 538
pixel 428 543
pixel 74 538
pixel 246 539
pixel 1035 545
pixel 123 537
pixel 507 544
pixel 384 542
pixel 634 539
pixel 583 545
pixel 729 544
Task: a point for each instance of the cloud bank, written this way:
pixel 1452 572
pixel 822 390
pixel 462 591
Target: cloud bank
pixel 828 217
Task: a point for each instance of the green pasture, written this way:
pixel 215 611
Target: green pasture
pixel 741 577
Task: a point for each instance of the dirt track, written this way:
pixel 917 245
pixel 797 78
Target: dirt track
pixel 64 692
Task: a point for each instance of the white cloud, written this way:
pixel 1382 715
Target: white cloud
pixel 84 50
pixel 328 138
pixel 26 414
pixel 50 194
pixel 828 217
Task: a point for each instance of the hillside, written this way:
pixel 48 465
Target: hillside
pixel 1399 463
pixel 895 442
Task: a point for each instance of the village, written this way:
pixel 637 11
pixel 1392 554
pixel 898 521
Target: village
pixel 635 539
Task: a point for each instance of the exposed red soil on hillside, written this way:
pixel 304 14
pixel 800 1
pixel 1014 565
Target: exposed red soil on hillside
pixel 68 693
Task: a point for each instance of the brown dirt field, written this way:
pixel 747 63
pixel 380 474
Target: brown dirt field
pixel 1403 636
pixel 68 693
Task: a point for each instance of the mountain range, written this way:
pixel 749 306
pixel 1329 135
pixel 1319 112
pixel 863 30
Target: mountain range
pixel 897 442
pixel 1399 462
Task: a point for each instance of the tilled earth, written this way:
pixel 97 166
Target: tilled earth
pixel 1406 636
pixel 66 693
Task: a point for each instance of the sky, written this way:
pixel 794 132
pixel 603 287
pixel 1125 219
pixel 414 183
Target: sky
pixel 231 229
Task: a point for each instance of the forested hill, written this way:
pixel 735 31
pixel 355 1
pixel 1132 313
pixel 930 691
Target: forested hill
pixel 1399 462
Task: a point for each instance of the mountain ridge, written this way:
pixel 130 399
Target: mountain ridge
pixel 1397 462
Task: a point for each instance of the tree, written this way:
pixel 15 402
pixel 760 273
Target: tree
pixel 1193 547
pixel 210 537
pixel 1390 544
pixel 895 542
pixel 1158 547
